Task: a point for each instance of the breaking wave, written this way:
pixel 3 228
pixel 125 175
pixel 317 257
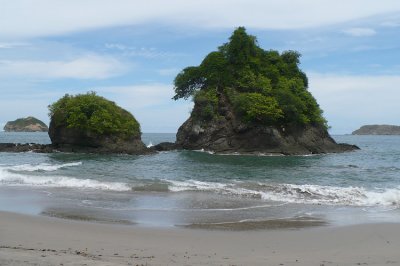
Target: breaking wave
pixel 17 179
pixel 41 167
pixel 290 193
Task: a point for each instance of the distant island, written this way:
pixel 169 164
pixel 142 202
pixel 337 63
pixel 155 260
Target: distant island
pixel 249 100
pixel 29 124
pixel 377 130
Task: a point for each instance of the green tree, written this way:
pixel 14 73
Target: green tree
pixel 90 112
pixel 187 82
pixel 265 86
pixel 257 108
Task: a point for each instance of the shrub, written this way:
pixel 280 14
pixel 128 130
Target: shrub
pixel 207 103
pixel 93 113
pixel 257 108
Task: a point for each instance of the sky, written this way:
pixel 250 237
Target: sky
pixel 130 52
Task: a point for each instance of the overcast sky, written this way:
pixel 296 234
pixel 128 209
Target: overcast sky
pixel 130 51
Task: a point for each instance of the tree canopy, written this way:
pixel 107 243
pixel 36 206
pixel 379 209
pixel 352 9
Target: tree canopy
pixel 265 87
pixel 93 113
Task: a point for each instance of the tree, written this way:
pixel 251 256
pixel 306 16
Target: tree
pixel 257 108
pixel 267 87
pixel 187 82
pixel 92 113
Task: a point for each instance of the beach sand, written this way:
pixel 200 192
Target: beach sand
pixel 37 240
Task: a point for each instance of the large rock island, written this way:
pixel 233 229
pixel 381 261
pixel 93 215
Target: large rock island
pixel 377 130
pixel 28 124
pixel 251 101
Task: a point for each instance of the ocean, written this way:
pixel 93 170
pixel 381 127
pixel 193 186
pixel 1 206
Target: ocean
pixel 199 189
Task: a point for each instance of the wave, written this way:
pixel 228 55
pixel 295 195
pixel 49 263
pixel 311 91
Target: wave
pixel 41 167
pixel 283 193
pixel 15 179
pixel 291 193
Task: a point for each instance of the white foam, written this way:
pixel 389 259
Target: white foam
pixel 355 196
pixel 315 194
pixel 194 185
pixel 291 193
pixel 41 167
pixel 388 197
pixel 15 179
pixel 205 151
pixel 150 145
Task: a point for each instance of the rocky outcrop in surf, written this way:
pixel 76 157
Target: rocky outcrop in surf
pixel 229 135
pixel 249 100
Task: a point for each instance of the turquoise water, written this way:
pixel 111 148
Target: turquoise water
pixel 189 187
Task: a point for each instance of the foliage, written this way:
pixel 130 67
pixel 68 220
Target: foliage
pixel 272 83
pixel 188 82
pixel 206 103
pixel 90 112
pixel 258 108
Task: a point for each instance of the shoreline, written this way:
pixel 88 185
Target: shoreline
pixel 26 240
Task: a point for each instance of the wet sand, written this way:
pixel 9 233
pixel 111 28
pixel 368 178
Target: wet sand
pixel 36 240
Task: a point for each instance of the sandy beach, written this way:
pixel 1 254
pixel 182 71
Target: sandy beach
pixel 36 240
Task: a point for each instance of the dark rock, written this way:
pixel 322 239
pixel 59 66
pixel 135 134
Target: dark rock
pixel 166 146
pixel 27 147
pixel 228 134
pixel 377 130
pixel 72 140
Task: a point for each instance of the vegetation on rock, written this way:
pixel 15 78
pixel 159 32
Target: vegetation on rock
pixel 28 124
pixel 92 113
pixel 377 130
pixel 263 87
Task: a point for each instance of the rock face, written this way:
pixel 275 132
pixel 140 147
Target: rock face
pixel 229 135
pixel 73 140
pixel 29 124
pixel 377 130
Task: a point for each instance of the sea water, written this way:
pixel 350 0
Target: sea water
pixel 198 188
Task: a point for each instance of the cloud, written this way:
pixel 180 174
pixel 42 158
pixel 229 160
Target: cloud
pixel 350 101
pixel 151 104
pixel 140 96
pixel 360 32
pixel 9 45
pixel 55 17
pixel 390 24
pixel 140 52
pixel 85 67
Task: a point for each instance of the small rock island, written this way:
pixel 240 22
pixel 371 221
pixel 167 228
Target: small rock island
pixel 377 130
pixel 28 124
pixel 250 101
pixel 91 123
